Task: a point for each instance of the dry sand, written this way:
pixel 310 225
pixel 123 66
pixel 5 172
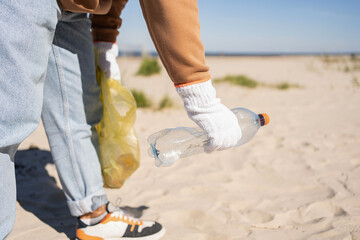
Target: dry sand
pixel 299 178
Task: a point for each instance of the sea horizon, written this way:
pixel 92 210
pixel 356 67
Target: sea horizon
pixel 137 53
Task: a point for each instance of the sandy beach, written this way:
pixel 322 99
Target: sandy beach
pixel 298 179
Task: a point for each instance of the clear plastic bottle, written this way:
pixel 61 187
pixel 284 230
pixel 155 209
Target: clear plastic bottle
pixel 170 144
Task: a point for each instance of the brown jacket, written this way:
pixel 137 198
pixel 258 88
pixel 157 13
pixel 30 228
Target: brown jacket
pixel 173 26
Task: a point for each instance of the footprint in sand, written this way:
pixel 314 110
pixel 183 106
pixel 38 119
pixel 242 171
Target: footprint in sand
pixel 321 209
pixel 257 217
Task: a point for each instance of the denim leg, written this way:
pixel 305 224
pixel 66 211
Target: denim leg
pixel 27 29
pixel 69 134
pixel 7 190
pixel 91 88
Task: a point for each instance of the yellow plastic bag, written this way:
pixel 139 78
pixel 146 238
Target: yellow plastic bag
pixel 119 146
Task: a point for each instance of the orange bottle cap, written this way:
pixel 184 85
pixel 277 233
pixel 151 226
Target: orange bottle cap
pixel 266 118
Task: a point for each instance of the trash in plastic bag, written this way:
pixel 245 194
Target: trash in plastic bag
pixel 119 146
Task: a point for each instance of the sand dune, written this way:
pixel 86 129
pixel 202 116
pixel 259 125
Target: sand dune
pixel 299 178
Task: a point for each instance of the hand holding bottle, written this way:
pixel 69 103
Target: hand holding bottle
pixel 168 145
pixel 215 119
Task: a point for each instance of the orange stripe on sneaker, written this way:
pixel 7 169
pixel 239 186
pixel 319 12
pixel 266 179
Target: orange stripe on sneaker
pixel 132 228
pixel 83 236
pixel 191 83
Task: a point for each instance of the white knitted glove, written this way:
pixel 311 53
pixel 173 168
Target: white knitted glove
pixel 106 59
pixel 210 115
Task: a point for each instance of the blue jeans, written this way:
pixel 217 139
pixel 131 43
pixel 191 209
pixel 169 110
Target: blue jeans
pixel 67 122
pixel 27 57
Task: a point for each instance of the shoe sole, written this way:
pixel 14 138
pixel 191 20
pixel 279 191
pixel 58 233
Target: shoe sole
pixel 156 236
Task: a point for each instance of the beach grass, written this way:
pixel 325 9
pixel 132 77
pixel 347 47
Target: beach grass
pixel 165 102
pixel 332 59
pixel 355 82
pixel 244 81
pixel 142 101
pixel 285 86
pixel 240 80
pixel 347 64
pixel 148 67
pixel 354 58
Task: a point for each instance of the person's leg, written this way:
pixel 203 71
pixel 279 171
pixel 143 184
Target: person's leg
pixel 27 29
pixel 65 122
pixel 72 62
pixel 7 190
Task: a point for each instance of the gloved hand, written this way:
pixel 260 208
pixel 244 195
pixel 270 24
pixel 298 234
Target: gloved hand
pixel 210 115
pixel 106 59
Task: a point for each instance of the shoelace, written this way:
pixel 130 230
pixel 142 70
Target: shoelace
pixel 129 220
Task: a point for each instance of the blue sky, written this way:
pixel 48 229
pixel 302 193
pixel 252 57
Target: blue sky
pixel 262 26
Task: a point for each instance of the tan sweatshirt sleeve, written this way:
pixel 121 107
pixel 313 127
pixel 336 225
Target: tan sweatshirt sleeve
pixel 175 30
pixel 105 27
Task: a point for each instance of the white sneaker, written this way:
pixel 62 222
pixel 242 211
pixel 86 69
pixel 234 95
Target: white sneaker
pixel 116 225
